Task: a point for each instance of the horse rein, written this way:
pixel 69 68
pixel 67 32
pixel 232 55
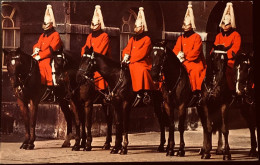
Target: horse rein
pixel 111 94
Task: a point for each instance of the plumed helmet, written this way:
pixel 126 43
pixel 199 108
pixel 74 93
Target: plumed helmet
pixel 49 16
pixel 140 20
pixel 228 16
pixel 97 18
pixel 189 18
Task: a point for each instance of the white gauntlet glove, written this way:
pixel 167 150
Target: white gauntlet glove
pixel 126 59
pixel 181 56
pixel 37 57
pixel 36 51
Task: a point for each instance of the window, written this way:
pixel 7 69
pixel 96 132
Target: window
pixel 10 29
pixel 127 28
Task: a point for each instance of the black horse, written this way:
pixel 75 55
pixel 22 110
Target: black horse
pixel 64 69
pixel 245 94
pixel 218 99
pixel 88 96
pixel 120 94
pixel 25 80
pixel 177 93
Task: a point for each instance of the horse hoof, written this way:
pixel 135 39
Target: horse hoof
pixel 76 148
pixel 160 148
pixel 65 144
pixel 227 157
pixel 202 151
pixel 205 156
pixel 181 153
pixel 219 152
pixel 30 147
pixel 114 150
pixel 170 152
pixel 106 146
pixel 83 145
pixel 253 153
pixel 123 151
pixel 87 148
pixel 24 146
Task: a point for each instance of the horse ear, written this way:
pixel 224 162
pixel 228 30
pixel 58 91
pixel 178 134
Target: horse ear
pixel 91 49
pixel 18 50
pixel 164 42
pixel 6 52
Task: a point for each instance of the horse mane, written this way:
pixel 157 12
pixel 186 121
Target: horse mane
pixel 109 61
pixel 73 59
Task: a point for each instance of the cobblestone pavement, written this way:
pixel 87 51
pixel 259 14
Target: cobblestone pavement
pixel 142 148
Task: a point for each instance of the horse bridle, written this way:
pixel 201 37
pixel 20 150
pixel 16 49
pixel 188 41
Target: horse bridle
pixel 61 55
pixel 92 62
pixel 164 58
pixel 21 84
pixel 161 69
pixel 211 91
pixel 247 84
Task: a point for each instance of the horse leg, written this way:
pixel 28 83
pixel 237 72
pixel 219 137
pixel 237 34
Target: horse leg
pixel 119 130
pixel 108 114
pixel 33 116
pixel 171 142
pixel 207 131
pixel 219 150
pixel 68 117
pixel 225 131
pixel 88 109
pixel 182 115
pixel 159 113
pixel 248 114
pixel 126 110
pixel 24 110
pixel 76 146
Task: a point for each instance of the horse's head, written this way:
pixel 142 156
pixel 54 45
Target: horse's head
pixel 219 63
pixel 243 72
pixel 58 62
pixel 16 61
pixel 87 66
pixel 158 55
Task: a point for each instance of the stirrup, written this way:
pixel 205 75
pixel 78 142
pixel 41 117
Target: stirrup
pixel 146 99
pixel 138 98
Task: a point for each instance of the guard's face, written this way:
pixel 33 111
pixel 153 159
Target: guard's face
pixel 47 24
pixel 226 27
pixel 226 24
pixel 96 25
pixel 138 27
pixel 187 24
pixel 186 27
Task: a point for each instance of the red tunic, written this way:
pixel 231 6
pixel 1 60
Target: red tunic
pixel 100 45
pixel 140 63
pixel 226 40
pixel 195 62
pixel 44 43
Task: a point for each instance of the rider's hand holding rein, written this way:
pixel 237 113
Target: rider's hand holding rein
pixel 126 59
pixel 181 56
